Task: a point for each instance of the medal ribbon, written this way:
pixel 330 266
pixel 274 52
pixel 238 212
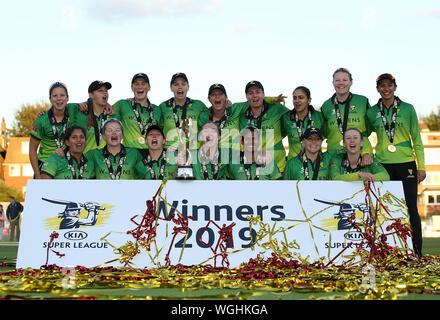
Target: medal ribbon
pixel 315 167
pixel 294 117
pixel 172 103
pixel 389 128
pixel 149 108
pixel 342 125
pixel 256 121
pixel 53 122
pixel 149 162
pixel 223 120
pixel 346 164
pixel 114 175
pixel 248 168
pixel 214 165
pixel 98 131
pixel 81 165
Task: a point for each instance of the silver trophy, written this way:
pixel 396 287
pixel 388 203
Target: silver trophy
pixel 186 137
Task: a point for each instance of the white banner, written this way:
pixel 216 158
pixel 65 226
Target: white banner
pixel 92 220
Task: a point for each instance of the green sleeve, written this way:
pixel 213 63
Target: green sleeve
pixel 203 118
pixel 368 124
pixel 222 172
pixel 379 171
pixel 270 100
pixel 50 165
pixel 289 170
pixel 345 176
pixel 90 155
pixel 276 174
pixel 241 106
pixel 338 173
pixel 318 120
pixel 271 172
pixel 324 127
pixel 37 128
pixel 228 173
pixel 90 171
pixel 140 171
pixel 417 140
pixel 117 109
pixel 367 148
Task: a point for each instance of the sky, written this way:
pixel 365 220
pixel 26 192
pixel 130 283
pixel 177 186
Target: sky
pixel 281 43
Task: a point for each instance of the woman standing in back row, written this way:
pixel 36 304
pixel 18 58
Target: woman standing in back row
pixel 48 129
pixel 399 145
pixel 345 110
pixel 137 114
pixel 180 114
pixel 302 117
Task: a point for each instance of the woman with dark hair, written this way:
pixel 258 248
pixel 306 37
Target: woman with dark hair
pixel 311 163
pixel 255 163
pixel 348 166
pixel 226 116
pixel 97 113
pixel 137 114
pixel 114 161
pixel 155 164
pixel 345 110
pixel 49 128
pixel 208 165
pixel 180 115
pixel 73 164
pixel 267 118
pixel 399 146
pixel 299 119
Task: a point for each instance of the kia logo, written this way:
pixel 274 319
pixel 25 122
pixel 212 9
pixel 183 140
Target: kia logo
pixel 75 235
pixel 354 236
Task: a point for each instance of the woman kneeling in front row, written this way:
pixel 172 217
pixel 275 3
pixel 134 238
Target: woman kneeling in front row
pixel 347 165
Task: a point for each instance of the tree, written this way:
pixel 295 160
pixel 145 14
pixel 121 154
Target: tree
pixel 7 191
pixel 25 117
pixel 432 120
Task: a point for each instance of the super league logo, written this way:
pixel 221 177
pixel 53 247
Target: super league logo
pixel 76 214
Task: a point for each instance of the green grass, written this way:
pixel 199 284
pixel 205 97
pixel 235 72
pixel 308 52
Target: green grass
pixel 431 246
pixel 8 254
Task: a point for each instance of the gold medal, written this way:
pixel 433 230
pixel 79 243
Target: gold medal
pixel 141 140
pixel 391 148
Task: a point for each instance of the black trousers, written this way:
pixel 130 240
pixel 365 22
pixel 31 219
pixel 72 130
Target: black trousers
pixel 407 173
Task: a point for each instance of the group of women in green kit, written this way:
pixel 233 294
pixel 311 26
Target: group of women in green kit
pixel 135 139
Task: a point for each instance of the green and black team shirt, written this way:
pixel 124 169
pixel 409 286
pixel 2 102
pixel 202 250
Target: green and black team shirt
pixel 340 169
pixel 135 120
pixel 252 171
pixel 204 169
pixel 119 167
pixel 270 124
pixel 172 117
pixel 229 127
pixel 66 167
pixel 356 117
pixel 302 168
pixel 294 127
pixel 94 138
pixel 50 132
pixel 406 138
pixel 160 169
